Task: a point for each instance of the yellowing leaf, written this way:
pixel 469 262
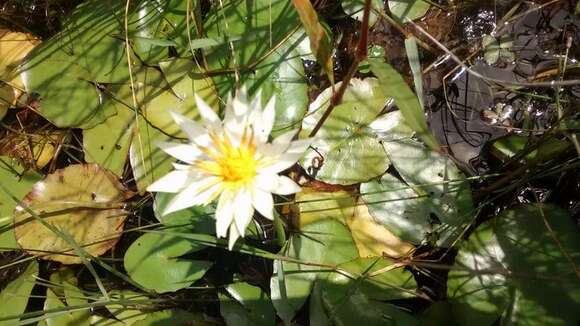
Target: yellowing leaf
pixel 81 201
pixel 373 239
pixel 319 41
pixel 315 205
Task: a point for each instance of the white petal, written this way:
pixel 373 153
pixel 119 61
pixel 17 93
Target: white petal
pixel 192 195
pixel 183 152
pixel 270 150
pixel 264 203
pixel 244 211
pixel 171 182
pixel 286 186
pixel 190 127
pixel 240 103
pixel 266 181
pixel 266 121
pixel 208 115
pixel 286 137
pixel 283 162
pixel 224 213
pixel 234 235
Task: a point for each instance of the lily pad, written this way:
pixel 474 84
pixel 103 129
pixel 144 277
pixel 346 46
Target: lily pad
pixel 325 240
pixel 436 177
pixel 15 295
pixel 353 300
pixel 246 304
pixel 82 201
pixel 152 250
pixel 63 69
pixel 408 10
pixel 374 239
pixel 397 206
pixel 20 181
pixel 63 294
pixel 502 256
pixel 268 48
pixel 107 144
pixel 350 152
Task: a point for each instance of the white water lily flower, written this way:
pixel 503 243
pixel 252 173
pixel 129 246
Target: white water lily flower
pixel 231 160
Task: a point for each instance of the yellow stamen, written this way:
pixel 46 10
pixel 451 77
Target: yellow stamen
pixel 235 166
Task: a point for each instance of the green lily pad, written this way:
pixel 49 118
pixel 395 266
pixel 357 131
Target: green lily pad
pixel 408 10
pixel 158 25
pixel 519 269
pixel 83 201
pixel 63 294
pixel 364 299
pixel 435 176
pixel 350 152
pixel 15 295
pixel 246 305
pixel 62 70
pixel 394 204
pixel 269 45
pixel 107 144
pixel 20 182
pixel 326 241
pixel 153 250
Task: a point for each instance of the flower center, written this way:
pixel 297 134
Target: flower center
pixel 235 165
pixel 238 164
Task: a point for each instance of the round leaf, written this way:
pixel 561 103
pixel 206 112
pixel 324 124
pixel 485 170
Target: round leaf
pixel 152 250
pixel 397 206
pixel 81 201
pixel 361 299
pixel 350 151
pixel 408 10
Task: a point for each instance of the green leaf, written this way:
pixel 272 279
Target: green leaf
pixel 479 296
pixel 393 85
pixel 63 293
pixel 408 10
pixel 249 306
pixel 520 269
pixel 14 296
pixel 157 25
pixel 83 201
pixel 351 153
pixel 353 300
pixel 19 183
pixel 152 250
pixel 63 68
pixel 267 54
pixel 107 144
pixel 435 176
pixel 491 47
pixel 325 241
pixel 394 204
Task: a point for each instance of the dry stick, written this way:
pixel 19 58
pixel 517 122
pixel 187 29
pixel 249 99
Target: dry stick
pixel 490 79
